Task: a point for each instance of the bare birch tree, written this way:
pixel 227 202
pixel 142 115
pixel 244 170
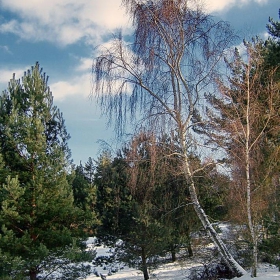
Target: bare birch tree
pixel 162 77
pixel 247 114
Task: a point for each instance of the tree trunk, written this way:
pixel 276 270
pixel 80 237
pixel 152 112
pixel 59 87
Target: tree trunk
pixel 248 185
pixel 255 258
pixel 224 252
pixel 190 251
pixel 173 253
pixel 33 274
pixel 144 264
pixel 250 219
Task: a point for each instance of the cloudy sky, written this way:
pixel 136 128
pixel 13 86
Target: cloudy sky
pixel 63 34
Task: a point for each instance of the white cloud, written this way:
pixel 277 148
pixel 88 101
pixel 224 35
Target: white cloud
pixel 67 21
pixel 79 86
pixel 6 74
pixel 219 5
pixel 63 21
pixel 85 64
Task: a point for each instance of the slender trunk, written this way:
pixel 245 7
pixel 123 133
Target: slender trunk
pixel 144 264
pixel 250 219
pixel 190 251
pixel 255 258
pixel 173 253
pixel 33 274
pixel 224 252
pixel 248 185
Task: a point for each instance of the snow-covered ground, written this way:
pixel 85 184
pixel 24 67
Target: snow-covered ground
pixel 265 272
pixel 179 270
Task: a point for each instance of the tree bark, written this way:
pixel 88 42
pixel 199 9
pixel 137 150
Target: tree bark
pixel 173 253
pixel 33 274
pixel 249 214
pixel 248 181
pixel 144 264
pixel 190 251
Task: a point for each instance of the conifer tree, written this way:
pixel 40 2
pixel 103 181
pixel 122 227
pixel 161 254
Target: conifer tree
pixel 40 225
pixel 272 54
pixel 83 189
pixel 114 202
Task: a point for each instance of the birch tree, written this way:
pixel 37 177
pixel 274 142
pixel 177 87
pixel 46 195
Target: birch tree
pixel 247 116
pixel 161 77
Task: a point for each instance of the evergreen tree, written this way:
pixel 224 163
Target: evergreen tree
pixel 83 190
pixel 89 170
pixel 126 215
pixel 274 27
pixel 114 201
pixel 272 54
pixel 40 225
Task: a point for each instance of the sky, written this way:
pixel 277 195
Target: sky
pixel 63 35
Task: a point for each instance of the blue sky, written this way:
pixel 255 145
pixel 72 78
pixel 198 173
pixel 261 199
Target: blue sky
pixel 62 36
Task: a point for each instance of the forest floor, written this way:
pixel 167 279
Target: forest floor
pixel 184 268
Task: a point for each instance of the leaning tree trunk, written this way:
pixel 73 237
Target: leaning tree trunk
pixel 224 252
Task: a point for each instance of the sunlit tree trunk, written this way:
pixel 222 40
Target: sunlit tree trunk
pixel 248 180
pixel 224 252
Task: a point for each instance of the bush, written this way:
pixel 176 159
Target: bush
pixel 211 271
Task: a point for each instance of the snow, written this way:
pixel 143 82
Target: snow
pixel 165 272
pixel 178 270
pixel 265 272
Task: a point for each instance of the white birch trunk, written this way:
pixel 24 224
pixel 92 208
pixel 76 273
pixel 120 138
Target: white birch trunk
pixel 250 219
pixel 224 252
pixel 248 185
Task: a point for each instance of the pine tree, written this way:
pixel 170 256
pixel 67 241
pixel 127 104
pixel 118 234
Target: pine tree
pixel 39 222
pixel 83 189
pixel 114 205
pixel 272 54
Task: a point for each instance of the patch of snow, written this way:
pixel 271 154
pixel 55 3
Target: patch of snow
pixel 179 270
pixel 264 272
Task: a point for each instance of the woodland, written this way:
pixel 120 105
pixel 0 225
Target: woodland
pixel 205 150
